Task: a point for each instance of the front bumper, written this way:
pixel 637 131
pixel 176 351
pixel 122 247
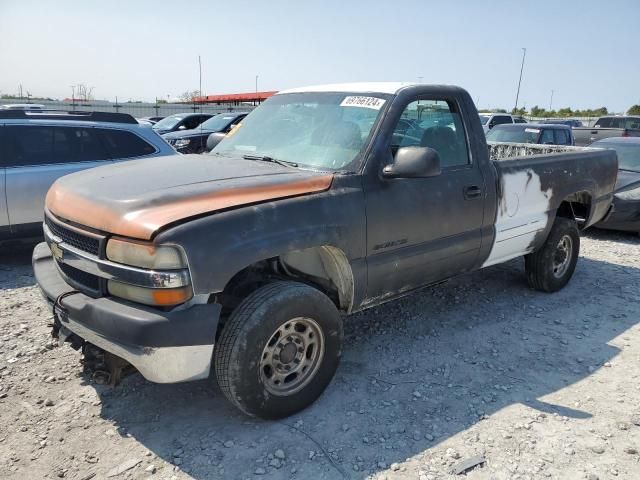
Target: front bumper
pixel 164 346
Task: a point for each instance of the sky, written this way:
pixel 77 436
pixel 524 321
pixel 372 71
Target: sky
pixel 586 51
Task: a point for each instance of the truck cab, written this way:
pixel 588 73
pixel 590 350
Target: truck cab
pixel 323 201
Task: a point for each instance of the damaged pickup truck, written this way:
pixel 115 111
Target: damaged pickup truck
pixel 324 201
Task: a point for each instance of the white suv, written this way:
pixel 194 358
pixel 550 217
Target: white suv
pixel 490 120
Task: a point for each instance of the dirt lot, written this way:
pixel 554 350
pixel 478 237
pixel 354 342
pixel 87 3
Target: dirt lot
pixel 542 386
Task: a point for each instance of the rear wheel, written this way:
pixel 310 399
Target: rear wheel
pixel 551 267
pixel 279 349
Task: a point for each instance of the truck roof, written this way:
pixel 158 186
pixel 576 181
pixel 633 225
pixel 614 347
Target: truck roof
pixel 356 87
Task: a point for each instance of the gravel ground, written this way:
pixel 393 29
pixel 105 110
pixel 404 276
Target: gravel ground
pixel 538 385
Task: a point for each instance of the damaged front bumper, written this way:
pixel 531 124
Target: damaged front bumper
pixel 164 346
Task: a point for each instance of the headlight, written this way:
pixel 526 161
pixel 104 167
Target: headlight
pixel 158 297
pixel 145 255
pixel 182 142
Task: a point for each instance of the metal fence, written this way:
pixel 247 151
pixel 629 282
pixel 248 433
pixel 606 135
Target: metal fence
pixel 587 121
pixel 140 110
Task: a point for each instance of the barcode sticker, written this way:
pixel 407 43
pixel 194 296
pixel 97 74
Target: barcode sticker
pixel 364 102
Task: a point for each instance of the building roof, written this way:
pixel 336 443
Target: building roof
pixel 235 97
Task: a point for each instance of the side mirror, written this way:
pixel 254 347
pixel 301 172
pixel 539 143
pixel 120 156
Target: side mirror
pixel 213 140
pixel 413 162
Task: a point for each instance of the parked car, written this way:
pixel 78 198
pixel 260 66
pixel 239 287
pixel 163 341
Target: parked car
pixel 36 148
pixel 490 120
pixel 545 134
pixel 609 126
pixel 625 214
pixel 195 140
pixel 22 106
pixel 240 262
pixel 180 121
pixel 570 122
pixel 151 119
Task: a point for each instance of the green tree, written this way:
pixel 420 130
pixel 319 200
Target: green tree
pixel 634 110
pixel 536 111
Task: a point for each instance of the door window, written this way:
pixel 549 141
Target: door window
pixel 123 144
pixel 547 137
pixel 562 137
pixel 40 145
pixel 436 124
pixel 500 119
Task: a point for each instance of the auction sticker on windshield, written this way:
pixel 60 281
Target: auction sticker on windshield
pixel 364 102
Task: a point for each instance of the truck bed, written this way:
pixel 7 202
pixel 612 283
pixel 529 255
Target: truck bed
pixel 533 182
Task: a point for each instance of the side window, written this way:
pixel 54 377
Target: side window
pixel 192 122
pixel 436 124
pixel 604 123
pixel 632 123
pixel 562 137
pixel 123 144
pixel 72 144
pixel 547 137
pixel 27 145
pixel 500 119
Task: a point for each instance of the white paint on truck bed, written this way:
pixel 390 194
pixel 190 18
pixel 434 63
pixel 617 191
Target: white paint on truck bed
pixel 523 211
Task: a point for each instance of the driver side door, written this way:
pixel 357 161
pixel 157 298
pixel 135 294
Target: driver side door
pixel 422 230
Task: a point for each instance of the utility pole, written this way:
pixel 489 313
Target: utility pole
pixel 20 89
pixel 200 87
pixel 524 54
pixel 420 79
pixel 73 97
pixel 551 101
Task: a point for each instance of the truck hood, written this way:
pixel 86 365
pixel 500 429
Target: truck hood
pixel 137 198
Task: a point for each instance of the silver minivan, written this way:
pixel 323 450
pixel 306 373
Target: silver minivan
pixel 36 148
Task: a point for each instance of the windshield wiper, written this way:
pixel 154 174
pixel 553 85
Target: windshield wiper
pixel 266 158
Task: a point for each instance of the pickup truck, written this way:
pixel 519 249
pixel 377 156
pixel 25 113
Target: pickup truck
pixel 242 263
pixel 605 127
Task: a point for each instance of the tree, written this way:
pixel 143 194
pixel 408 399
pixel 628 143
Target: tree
pixel 189 96
pixel 634 110
pixel 536 111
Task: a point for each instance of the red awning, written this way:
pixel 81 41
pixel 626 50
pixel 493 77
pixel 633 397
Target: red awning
pixel 235 97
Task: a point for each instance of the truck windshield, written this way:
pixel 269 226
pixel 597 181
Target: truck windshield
pixel 628 155
pixel 513 135
pixel 318 130
pixel 483 119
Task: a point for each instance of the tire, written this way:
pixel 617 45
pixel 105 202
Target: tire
pixel 279 350
pixel 549 269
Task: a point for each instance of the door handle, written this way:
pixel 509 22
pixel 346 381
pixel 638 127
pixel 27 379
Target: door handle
pixel 472 191
pixel 594 132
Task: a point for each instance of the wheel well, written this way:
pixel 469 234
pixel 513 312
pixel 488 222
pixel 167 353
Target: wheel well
pixel 325 268
pixel 576 206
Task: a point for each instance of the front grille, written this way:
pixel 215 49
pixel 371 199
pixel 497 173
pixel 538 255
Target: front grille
pixel 73 238
pixel 83 279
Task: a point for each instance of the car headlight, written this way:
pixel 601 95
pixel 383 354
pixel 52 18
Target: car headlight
pixel 145 255
pixel 182 142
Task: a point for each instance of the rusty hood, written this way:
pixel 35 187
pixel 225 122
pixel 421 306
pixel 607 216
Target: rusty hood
pixel 137 198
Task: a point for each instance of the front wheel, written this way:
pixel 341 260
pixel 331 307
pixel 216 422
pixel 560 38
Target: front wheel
pixel 551 267
pixel 279 349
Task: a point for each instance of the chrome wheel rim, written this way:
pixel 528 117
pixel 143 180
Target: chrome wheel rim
pixel 562 256
pixel 292 356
